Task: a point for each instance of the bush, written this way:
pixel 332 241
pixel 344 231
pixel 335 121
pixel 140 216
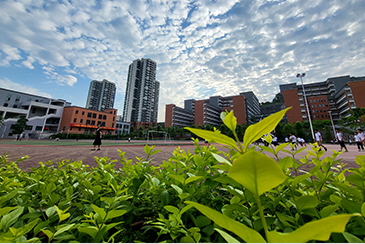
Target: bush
pixel 201 196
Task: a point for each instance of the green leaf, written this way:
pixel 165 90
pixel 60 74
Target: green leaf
pixel 220 159
pixel 63 229
pixel 6 210
pixel 227 237
pixel 26 228
pixel 50 211
pixel 90 230
pixel 214 136
pixel 328 210
pixel 350 238
pixel 178 189
pixel 179 178
pixel 265 126
pixel 51 187
pixel 285 163
pixel 257 172
pixel 186 208
pixel 10 218
pixel 202 221
pixel 229 120
pixel 363 209
pixel 245 233
pixel 319 230
pixel 114 214
pixel 172 209
pixel 192 179
pixel 305 202
pixel 98 210
pixel 48 233
pixel 281 146
pixel 187 239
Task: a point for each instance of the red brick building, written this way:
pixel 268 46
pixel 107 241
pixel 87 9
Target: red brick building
pixel 78 120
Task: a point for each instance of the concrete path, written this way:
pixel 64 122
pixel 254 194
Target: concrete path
pixel 42 153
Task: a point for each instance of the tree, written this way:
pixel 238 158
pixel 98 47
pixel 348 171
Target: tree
pixel 288 128
pixel 279 131
pixel 131 131
pixel 299 132
pixel 140 131
pixel 327 134
pixel 1 121
pixel 21 125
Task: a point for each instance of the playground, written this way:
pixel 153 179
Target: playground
pixel 46 150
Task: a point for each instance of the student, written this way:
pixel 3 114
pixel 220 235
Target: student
pixel 293 139
pixel 362 136
pixel 339 137
pixel 275 140
pixel 357 138
pixel 97 141
pixel 319 139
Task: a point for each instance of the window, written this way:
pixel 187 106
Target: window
pixel 38 128
pixel 83 113
pixel 104 117
pixel 12 126
pixel 92 122
pixel 77 111
pixel 17 99
pixel 314 116
pixel 100 116
pixel 33 110
pixel 87 121
pixel 63 128
pixel 15 106
pixel 75 120
pixel 113 125
pixel 8 97
pixel 30 127
pixel 113 118
pixel 312 106
pixel 89 115
pixel 103 124
pixel 5 104
pixel 79 129
pixel 94 115
pixel 81 120
pixel 314 111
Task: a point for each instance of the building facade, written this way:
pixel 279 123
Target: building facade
pixel 122 127
pixel 43 114
pixel 101 95
pixel 336 95
pixel 202 112
pixel 78 120
pixel 142 94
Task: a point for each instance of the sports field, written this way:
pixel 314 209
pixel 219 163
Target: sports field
pixel 45 150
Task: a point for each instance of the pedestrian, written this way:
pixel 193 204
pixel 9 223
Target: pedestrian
pixel 362 136
pixel 318 136
pixel 357 138
pixel 275 140
pixel 129 139
pixel 293 139
pixel 97 141
pixel 286 139
pixel 339 137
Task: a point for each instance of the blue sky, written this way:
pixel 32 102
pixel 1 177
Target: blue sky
pixel 202 48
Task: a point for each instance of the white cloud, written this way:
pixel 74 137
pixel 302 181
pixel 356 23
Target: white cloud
pixel 8 84
pixel 202 48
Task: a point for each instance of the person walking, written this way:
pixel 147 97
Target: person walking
pixel 318 136
pixel 357 138
pixel 293 139
pixel 97 141
pixel 339 138
pixel 362 136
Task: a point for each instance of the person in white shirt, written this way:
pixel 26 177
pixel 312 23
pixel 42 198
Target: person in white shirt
pixel 275 140
pixel 357 138
pixel 293 139
pixel 339 137
pixel 319 139
pixel 362 136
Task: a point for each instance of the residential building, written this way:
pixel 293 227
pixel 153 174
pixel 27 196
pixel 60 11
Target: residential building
pixel 101 95
pixel 122 127
pixel 202 112
pixel 337 95
pixel 43 114
pixel 78 120
pixel 142 94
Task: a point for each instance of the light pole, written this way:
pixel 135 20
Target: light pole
pixel 333 125
pixel 306 104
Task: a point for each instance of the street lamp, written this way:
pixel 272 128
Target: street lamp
pixel 333 125
pixel 306 103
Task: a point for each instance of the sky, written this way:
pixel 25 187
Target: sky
pixel 202 48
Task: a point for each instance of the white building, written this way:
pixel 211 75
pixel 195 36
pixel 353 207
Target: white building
pixel 43 114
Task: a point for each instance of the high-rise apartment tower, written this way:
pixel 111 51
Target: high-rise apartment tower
pixel 142 92
pixel 101 95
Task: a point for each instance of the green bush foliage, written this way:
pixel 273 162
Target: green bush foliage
pixel 205 195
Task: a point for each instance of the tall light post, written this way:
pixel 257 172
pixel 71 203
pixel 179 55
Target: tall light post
pixel 333 125
pixel 306 104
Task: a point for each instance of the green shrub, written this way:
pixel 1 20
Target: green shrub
pixel 205 195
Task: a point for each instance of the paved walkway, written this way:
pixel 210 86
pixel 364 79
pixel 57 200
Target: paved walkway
pixel 39 153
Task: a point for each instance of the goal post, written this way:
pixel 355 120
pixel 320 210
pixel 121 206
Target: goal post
pixel 151 135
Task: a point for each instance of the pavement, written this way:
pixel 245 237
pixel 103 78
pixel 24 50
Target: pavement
pixel 43 153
